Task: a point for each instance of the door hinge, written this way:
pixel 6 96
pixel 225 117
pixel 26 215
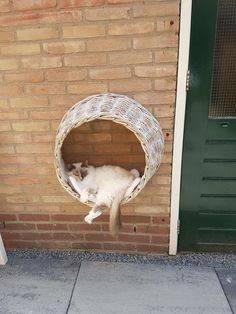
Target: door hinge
pixel 178 227
pixel 187 80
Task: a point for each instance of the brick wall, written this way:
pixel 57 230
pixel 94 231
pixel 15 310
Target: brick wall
pixel 53 54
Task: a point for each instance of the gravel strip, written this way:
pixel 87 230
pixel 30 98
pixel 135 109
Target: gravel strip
pixel 188 259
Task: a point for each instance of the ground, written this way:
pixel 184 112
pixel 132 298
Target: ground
pixel 88 283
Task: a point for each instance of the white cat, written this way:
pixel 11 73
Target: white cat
pixel 106 186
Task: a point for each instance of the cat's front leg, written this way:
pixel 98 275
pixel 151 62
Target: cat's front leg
pixel 84 196
pixel 95 212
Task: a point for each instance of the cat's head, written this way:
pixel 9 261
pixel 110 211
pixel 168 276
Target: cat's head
pixel 78 169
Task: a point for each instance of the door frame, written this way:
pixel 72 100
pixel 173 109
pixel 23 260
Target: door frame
pixel 181 93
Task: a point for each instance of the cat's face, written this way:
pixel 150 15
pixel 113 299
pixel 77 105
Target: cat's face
pixel 78 169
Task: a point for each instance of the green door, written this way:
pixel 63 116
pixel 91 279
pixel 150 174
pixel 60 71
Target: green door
pixel 208 185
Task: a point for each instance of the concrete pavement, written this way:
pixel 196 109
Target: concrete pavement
pixel 43 286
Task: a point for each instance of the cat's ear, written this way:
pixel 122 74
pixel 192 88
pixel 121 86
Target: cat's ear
pixel 85 163
pixel 70 167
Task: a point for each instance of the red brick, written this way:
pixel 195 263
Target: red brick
pixel 134 238
pixel 102 218
pixel 161 220
pixel 98 237
pixel 6 36
pixel 10 235
pixel 67 218
pixel 5 126
pixel 34 217
pixel 67 236
pixel 153 229
pixel 165 40
pixel 15 138
pixel 90 59
pixel 45 138
pixel 8 64
pixel 107 14
pixel 8 217
pixel 108 44
pixel 120 1
pixel 28 102
pixel 37 33
pixel 52 115
pixel 20 49
pixel 160 70
pixel 152 249
pixel 24 77
pixel 45 89
pixel 119 148
pixel 87 88
pixel 34 148
pixel 123 58
pixel 69 75
pixel 64 47
pixel 87 246
pixel 155 98
pixel 14 244
pixel 32 126
pixel 13 90
pixel 54 226
pixel 158 9
pixel 131 28
pixel 6 189
pixel 79 3
pixel 20 226
pixel 24 5
pixel 84 31
pixel 36 236
pixel 92 138
pixel 160 239
pixel 7 149
pixel 22 180
pixel 83 227
pixel 5 6
pixel 48 17
pixel 166 55
pixel 135 219
pixel 119 247
pixel 13 115
pixel 41 62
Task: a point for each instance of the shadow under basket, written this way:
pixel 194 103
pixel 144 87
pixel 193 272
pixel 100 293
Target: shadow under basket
pixel 109 129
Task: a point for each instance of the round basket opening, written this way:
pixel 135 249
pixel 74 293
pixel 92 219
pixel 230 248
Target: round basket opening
pixel 109 129
pixel 104 142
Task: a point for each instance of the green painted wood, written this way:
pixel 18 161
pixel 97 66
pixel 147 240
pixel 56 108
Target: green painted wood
pixel 215 247
pixel 213 187
pixel 217 220
pixel 219 169
pixel 208 183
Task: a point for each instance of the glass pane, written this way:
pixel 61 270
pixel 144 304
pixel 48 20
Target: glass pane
pixel 223 89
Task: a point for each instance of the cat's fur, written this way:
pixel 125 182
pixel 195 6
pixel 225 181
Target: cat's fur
pixel 108 185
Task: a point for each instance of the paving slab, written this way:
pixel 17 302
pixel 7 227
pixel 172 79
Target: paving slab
pixel 228 280
pixel 107 288
pixel 30 286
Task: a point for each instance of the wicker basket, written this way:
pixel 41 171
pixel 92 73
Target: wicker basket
pixel 120 109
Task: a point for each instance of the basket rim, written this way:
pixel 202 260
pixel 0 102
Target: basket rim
pixel 104 116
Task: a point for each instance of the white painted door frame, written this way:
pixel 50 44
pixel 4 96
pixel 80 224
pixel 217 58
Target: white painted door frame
pixel 3 255
pixel 184 43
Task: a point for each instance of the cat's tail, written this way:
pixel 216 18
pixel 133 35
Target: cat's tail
pixel 115 219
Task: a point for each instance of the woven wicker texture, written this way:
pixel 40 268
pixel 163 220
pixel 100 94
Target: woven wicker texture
pixel 120 109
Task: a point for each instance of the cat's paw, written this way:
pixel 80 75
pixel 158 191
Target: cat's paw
pixel 88 219
pixel 135 173
pixel 84 198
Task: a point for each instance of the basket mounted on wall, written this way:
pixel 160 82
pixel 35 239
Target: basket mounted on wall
pixel 119 109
